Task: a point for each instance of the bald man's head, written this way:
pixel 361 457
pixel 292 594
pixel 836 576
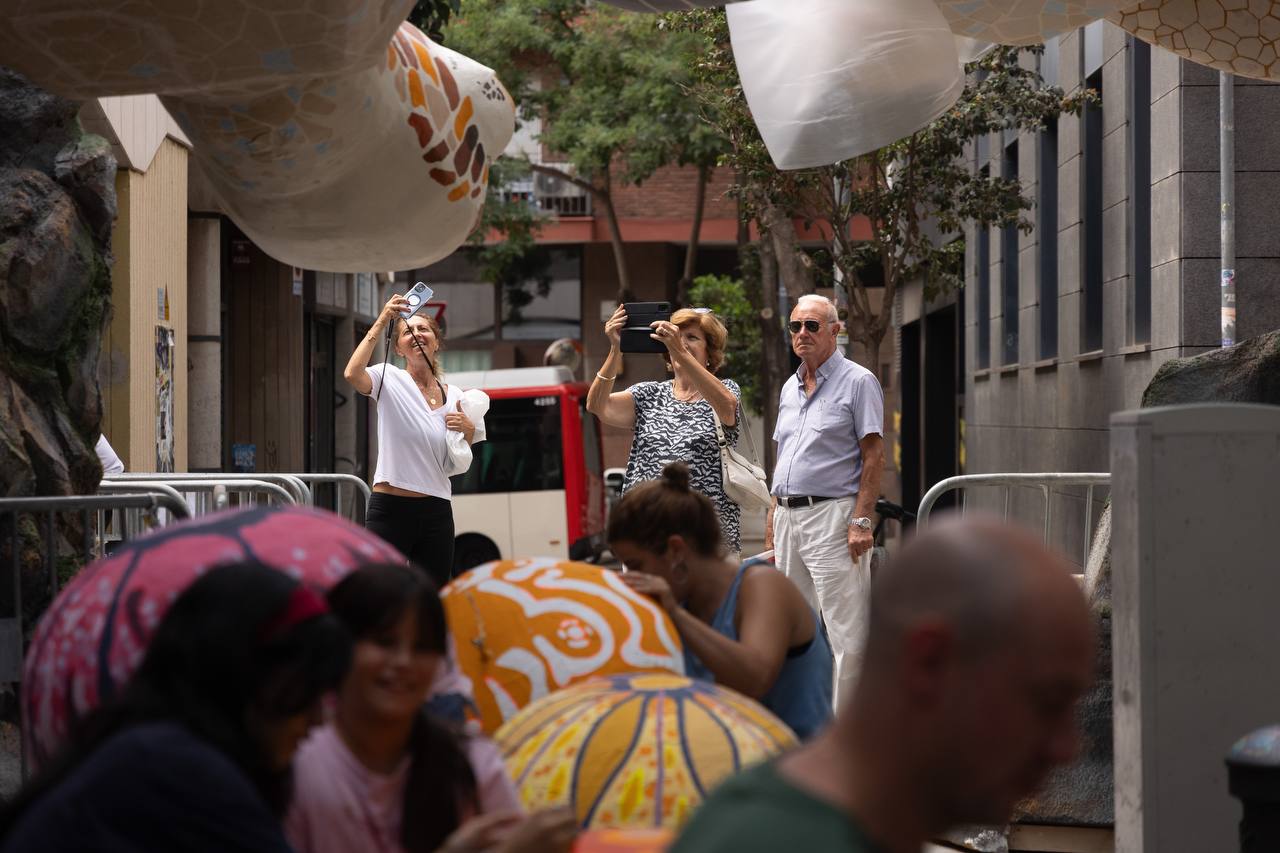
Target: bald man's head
pixel 981 642
pixel 975 572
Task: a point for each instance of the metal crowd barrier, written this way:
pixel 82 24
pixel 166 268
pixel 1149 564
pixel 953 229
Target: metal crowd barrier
pixel 298 491
pixel 11 628
pixel 1045 481
pixel 358 485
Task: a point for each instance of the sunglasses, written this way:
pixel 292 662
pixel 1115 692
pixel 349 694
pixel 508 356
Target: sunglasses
pixel 810 326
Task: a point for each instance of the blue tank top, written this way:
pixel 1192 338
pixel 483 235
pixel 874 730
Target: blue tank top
pixel 801 697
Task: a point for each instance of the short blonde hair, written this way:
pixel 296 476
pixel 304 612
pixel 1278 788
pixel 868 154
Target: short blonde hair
pixel 714 331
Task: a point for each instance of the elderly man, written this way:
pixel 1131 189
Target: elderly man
pixel 980 645
pixel 827 480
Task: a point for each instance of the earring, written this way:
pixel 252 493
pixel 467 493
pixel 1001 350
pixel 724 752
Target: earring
pixel 680 570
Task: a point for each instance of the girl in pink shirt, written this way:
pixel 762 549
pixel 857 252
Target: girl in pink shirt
pixel 384 776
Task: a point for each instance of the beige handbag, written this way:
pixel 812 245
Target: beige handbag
pixel 744 481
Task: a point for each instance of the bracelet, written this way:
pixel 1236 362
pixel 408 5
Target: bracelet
pixel 600 375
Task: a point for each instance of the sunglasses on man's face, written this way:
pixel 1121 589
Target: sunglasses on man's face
pixel 810 326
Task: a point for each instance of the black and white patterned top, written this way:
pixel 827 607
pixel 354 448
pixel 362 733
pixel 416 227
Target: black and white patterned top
pixel 668 430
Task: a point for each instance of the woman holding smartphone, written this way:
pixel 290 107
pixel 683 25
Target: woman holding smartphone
pixel 676 419
pixel 411 506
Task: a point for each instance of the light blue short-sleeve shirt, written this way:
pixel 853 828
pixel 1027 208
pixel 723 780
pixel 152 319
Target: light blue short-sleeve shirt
pixel 818 435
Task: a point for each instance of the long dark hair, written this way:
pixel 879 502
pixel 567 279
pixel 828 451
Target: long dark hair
pixel 215 661
pixel 441 786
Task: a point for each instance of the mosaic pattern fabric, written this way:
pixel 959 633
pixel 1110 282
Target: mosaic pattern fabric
pixel 526 628
pixel 89 48
pixel 1022 21
pixel 635 751
pixel 337 137
pixel 1239 36
pixel 94 635
pixel 382 169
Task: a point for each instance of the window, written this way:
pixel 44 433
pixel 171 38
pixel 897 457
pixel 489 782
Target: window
pixel 1091 221
pixel 1139 109
pixel 1047 237
pixel 1009 269
pixel 523 451
pixel 591 454
pixel 983 308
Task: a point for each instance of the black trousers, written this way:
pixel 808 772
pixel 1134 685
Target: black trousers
pixel 421 528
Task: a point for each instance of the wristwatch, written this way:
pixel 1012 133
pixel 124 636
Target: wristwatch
pixel 863 522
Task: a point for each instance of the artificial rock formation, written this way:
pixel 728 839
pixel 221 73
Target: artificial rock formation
pixel 57 206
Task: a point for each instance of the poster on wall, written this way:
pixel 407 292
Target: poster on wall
pixel 164 399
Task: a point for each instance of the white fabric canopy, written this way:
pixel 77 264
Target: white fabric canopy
pixel 827 80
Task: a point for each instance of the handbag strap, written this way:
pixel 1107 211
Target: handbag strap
pixel 742 427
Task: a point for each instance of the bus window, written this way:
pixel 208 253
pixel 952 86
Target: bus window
pixel 523 450
pixel 590 439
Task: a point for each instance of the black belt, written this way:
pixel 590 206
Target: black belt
pixel 803 500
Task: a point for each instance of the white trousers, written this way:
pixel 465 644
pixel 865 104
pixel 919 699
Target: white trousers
pixel 811 547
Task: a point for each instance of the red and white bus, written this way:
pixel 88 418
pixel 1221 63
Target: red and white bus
pixel 535 487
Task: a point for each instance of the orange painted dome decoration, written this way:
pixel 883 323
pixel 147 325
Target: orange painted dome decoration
pixel 526 628
pixel 635 751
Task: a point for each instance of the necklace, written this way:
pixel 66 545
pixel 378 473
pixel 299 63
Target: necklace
pixel 431 394
pixel 693 395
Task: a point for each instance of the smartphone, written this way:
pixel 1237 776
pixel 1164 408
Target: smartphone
pixel 640 319
pixel 420 295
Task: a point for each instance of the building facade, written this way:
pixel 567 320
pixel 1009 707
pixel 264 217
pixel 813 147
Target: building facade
pixel 1057 329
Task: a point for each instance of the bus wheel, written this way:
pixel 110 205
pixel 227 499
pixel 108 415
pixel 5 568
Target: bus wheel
pixel 472 549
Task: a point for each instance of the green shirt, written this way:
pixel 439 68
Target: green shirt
pixel 760 811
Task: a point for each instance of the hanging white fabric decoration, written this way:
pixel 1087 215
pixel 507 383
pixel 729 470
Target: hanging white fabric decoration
pixel 827 80
pixel 1023 21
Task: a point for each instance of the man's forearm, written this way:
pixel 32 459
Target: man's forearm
pixel 869 483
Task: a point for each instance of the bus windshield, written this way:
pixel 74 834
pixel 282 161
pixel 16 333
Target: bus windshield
pixel 522 452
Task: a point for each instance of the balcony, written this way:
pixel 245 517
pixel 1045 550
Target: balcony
pixel 549 195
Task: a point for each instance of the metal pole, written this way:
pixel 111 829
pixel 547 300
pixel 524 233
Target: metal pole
pixel 841 295
pixel 1227 154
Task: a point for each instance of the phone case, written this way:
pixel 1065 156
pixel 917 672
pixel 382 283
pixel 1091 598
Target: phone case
pixel 418 296
pixel 640 317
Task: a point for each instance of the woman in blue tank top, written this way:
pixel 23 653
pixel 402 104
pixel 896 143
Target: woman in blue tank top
pixel 746 627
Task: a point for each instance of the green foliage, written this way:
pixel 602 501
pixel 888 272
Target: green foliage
pixel 727 297
pixel 431 16
pixel 608 85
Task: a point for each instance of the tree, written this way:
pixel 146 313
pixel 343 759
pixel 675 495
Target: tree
pixel 727 297
pixel 432 16
pixel 604 84
pixel 916 194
